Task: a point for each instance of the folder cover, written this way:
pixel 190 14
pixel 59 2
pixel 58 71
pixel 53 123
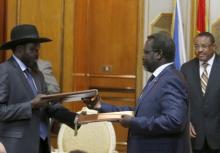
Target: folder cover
pixel 111 116
pixel 72 96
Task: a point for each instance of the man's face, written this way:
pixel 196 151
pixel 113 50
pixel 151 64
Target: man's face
pixel 204 49
pixel 30 54
pixel 150 58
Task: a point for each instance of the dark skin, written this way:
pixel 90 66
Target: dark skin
pixel 152 59
pixel 204 48
pixel 28 54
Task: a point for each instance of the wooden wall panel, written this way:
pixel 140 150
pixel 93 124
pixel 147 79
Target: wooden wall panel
pixel 2 20
pixel 2 26
pixel 107 44
pixel 11 20
pixel 49 21
pixel 80 45
pixel 68 46
pixel 113 36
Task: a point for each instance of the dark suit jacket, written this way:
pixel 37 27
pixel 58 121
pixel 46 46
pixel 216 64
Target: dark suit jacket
pixel 160 123
pixel 205 110
pixel 19 123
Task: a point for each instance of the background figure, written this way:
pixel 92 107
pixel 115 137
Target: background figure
pixel 46 68
pixel 202 74
pixel 24 114
pixel 52 87
pixel 161 118
pixel 2 148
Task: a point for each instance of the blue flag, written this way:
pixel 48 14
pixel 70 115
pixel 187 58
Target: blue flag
pixel 180 53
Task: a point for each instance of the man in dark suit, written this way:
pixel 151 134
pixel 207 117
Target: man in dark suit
pixel 161 114
pixel 202 74
pixel 24 124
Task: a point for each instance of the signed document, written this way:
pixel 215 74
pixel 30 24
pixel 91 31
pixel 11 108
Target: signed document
pixel 111 116
pixel 72 96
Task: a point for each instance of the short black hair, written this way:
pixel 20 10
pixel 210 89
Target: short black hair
pixel 163 42
pixel 207 34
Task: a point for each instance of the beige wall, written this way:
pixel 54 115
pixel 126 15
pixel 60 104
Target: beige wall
pixel 214 11
pixel 153 8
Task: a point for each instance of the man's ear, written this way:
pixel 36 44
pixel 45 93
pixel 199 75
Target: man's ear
pixel 215 47
pixel 159 54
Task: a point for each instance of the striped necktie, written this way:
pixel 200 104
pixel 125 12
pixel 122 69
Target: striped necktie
pixel 204 78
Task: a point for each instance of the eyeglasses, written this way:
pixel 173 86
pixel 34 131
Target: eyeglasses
pixel 203 46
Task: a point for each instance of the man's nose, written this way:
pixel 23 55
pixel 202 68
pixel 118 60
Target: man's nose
pixel 200 49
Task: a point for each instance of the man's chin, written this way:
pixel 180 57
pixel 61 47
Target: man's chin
pixel 33 66
pixel 202 58
pixel 148 69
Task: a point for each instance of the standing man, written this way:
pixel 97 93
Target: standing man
pixel 161 114
pixel 202 74
pixel 24 115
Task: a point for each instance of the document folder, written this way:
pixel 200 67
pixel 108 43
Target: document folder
pixel 72 96
pixel 111 116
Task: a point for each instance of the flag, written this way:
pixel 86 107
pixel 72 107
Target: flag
pixel 178 36
pixel 201 16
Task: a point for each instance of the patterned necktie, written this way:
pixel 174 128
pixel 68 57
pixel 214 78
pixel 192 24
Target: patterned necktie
pixel 204 78
pixel 43 127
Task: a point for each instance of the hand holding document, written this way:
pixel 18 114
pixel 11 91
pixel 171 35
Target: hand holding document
pixel 111 116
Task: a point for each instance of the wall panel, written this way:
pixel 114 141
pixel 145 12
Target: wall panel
pixel 2 26
pixel 49 21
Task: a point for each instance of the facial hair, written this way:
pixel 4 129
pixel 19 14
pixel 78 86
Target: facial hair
pixel 31 64
pixel 151 67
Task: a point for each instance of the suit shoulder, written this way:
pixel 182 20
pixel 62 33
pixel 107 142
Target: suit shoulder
pixel 5 66
pixel 190 62
pixel 173 74
pixel 188 65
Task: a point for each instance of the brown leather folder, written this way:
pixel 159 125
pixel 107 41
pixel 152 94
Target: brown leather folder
pixel 112 117
pixel 72 96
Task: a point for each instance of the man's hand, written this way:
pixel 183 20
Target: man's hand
pixel 93 102
pixel 39 102
pixel 192 130
pixel 126 121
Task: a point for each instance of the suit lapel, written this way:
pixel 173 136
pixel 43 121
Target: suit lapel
pixel 196 76
pixel 212 77
pixel 144 92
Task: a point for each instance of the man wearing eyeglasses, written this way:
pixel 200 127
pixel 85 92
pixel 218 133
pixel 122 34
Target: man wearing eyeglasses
pixel 160 124
pixel 202 74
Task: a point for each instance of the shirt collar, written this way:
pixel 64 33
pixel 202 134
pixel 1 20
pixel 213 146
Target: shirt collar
pixel 160 69
pixel 210 61
pixel 20 63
